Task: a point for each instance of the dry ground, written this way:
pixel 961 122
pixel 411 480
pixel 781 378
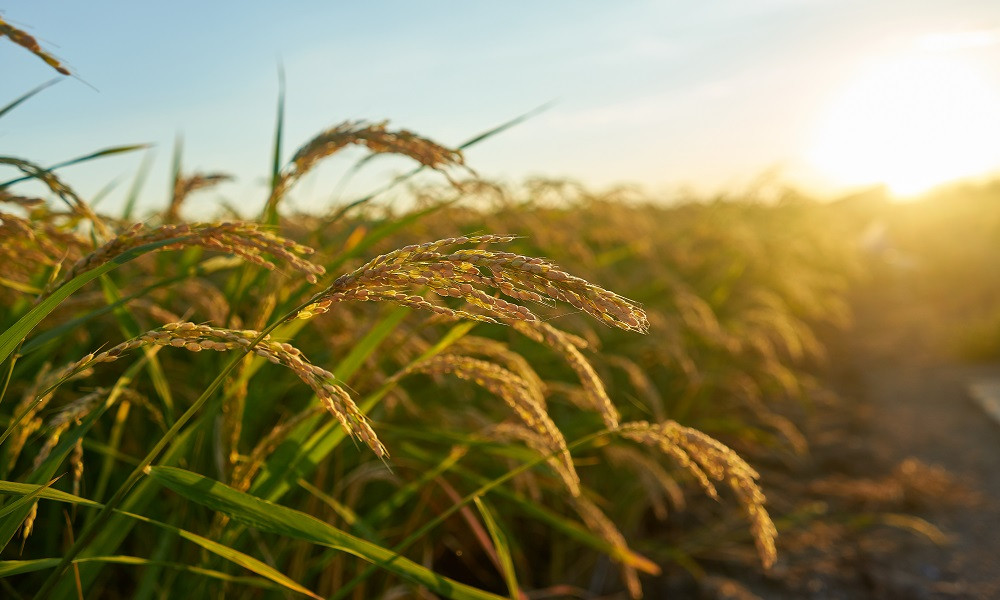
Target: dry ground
pixel 903 438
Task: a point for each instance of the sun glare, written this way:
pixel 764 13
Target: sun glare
pixel 912 123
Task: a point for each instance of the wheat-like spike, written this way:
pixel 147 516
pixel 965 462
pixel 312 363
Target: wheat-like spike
pixel 29 521
pixel 195 338
pixel 512 390
pixel 707 458
pixel 76 463
pixel 564 343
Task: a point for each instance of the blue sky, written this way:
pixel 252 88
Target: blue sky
pixel 708 95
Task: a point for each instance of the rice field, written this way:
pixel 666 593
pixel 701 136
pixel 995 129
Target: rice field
pixel 502 391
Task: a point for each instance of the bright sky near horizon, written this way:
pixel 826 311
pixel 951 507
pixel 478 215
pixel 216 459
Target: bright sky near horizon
pixel 711 96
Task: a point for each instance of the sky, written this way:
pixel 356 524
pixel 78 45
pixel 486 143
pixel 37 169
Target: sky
pixel 718 96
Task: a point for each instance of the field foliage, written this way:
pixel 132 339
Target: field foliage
pixel 497 391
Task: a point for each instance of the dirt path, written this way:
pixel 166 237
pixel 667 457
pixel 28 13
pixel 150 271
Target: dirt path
pixel 912 402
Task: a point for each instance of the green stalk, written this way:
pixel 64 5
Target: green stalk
pixel 485 488
pixel 91 529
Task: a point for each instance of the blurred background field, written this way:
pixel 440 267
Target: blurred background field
pixel 827 335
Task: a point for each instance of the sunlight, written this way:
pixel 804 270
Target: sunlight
pixel 912 123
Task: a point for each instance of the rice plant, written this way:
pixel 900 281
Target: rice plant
pixel 176 395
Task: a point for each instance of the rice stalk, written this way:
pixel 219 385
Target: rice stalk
pixel 28 42
pixel 709 460
pixel 567 345
pixel 185 185
pixel 515 392
pixel 245 240
pixel 195 338
pixel 456 273
pixel 376 138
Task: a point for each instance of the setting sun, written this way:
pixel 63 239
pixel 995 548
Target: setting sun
pixel 911 123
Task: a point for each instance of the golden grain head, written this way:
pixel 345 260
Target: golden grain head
pixel 709 460
pixel 28 42
pixel 479 277
pixel 516 393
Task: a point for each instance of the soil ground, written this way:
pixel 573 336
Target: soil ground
pixel 903 471
pixel 903 440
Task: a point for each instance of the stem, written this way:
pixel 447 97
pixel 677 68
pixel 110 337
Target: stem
pixel 92 527
pixel 416 535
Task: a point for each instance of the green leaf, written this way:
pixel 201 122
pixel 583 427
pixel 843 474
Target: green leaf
pixel 80 159
pixel 502 547
pixel 13 488
pixel 281 520
pixel 27 500
pixel 12 105
pixel 350 364
pixel 230 554
pixel 271 210
pixel 137 183
pixel 16 567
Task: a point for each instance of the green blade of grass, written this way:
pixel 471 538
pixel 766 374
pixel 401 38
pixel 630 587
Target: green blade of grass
pixel 81 159
pixel 12 105
pixel 230 554
pixel 271 209
pixel 137 184
pixel 17 567
pixel 284 521
pixel 276 478
pixel 501 545
pixel 27 500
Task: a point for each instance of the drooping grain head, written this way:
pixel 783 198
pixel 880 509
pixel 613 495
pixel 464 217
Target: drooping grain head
pixel 516 393
pixel 245 240
pixel 466 273
pixel 28 42
pixel 195 338
pixel 709 460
